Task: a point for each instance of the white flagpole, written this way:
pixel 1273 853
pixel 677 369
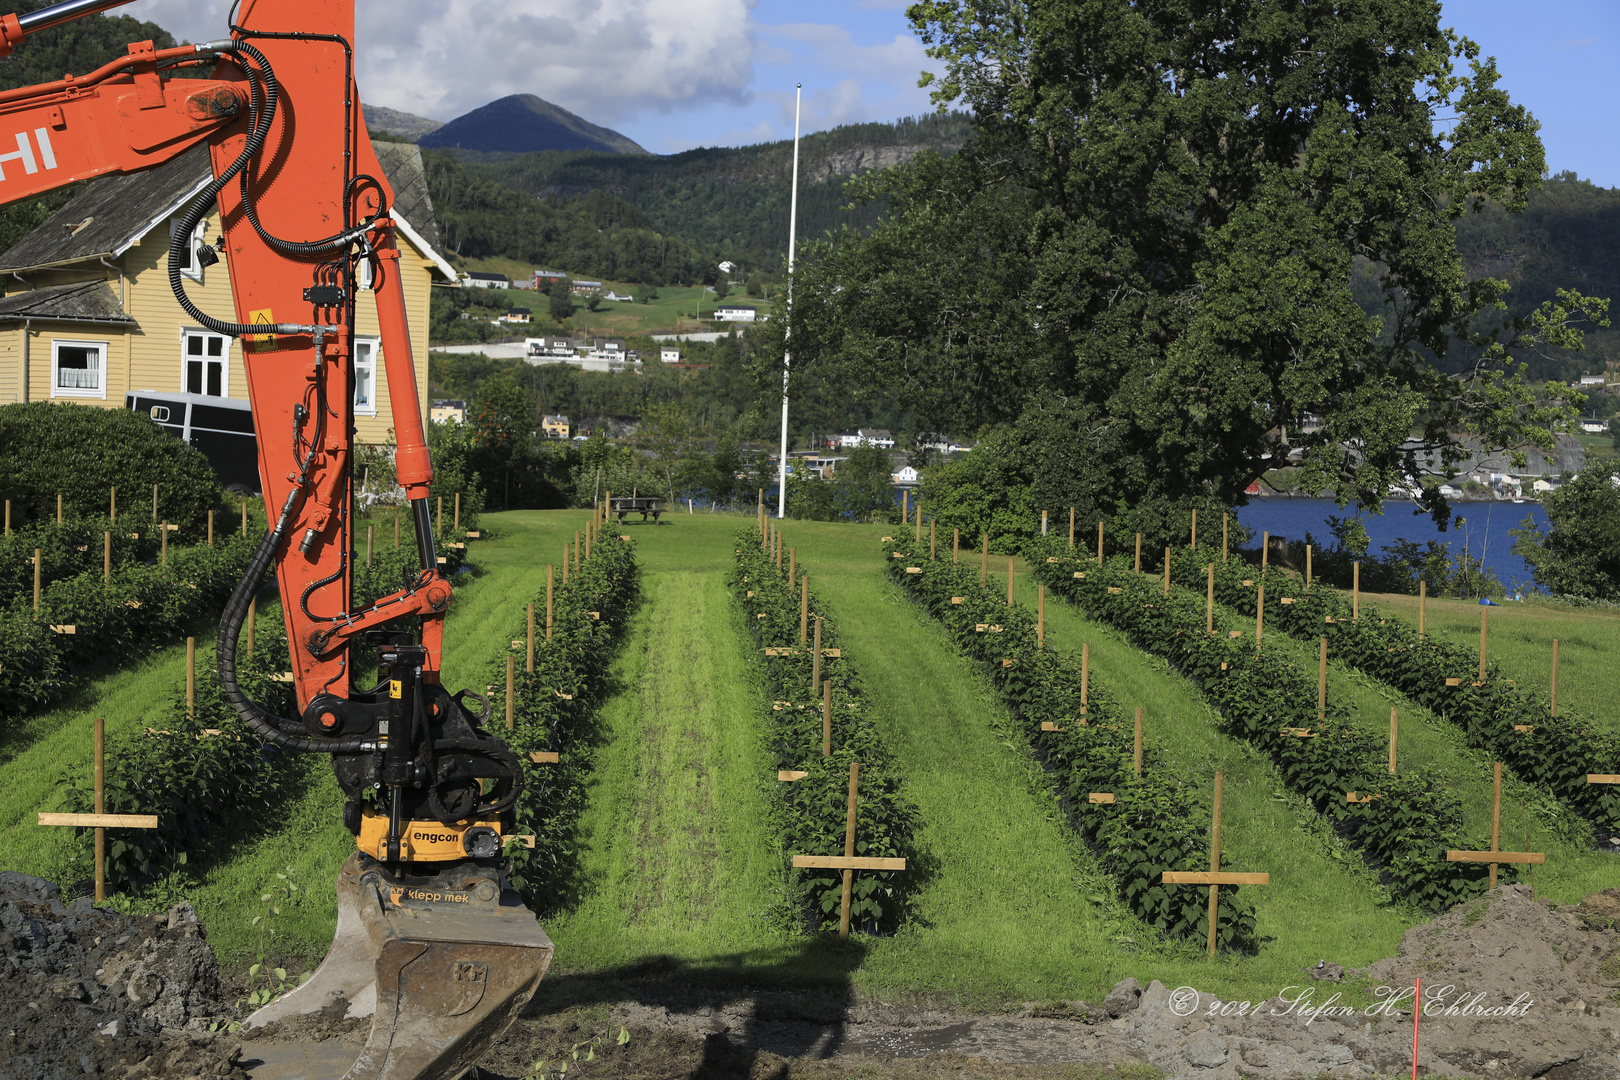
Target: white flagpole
pixel 793 222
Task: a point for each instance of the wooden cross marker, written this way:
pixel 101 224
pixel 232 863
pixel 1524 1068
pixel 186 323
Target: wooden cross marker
pixel 1071 528
pixel 850 862
pixel 793 565
pixel 211 534
pixel 1603 778
pixel 1265 550
pixel 1209 601
pixel 1321 680
pixel 1167 571
pixel 101 821
pixel 1099 542
pixel 1214 879
pixel 919 521
pixel 956 545
pixel 905 505
pixel 456 520
pixel 1138 553
pixel 984 560
pixel 1496 855
pixel 804 609
pixel 826 718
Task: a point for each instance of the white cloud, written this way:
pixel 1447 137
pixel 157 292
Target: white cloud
pixel 602 59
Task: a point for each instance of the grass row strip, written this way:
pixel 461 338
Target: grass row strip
pixel 1081 735
pixel 1513 724
pixel 553 705
pixel 810 813
pixel 1406 823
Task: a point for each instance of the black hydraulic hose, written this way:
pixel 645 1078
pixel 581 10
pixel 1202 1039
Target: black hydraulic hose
pixel 262 117
pixel 263 722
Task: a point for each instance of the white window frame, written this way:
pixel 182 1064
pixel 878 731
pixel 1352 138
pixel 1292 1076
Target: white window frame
pixel 372 365
pixel 225 361
pixel 198 237
pixel 78 392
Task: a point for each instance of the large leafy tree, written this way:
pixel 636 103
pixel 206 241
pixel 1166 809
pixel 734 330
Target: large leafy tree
pixel 1150 247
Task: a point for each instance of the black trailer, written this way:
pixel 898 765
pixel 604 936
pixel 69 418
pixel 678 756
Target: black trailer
pixel 629 504
pixel 222 428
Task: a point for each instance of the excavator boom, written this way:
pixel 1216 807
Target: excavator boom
pixel 431 942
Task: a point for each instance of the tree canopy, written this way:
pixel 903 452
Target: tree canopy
pixel 1147 251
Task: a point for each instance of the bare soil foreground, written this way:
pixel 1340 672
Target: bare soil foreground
pixel 1514 988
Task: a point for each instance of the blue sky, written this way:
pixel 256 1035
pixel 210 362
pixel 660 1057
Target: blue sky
pixel 674 75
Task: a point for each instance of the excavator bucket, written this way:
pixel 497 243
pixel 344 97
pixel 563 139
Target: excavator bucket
pixel 442 965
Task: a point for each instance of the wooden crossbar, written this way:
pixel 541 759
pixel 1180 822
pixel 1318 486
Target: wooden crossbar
pixel 1204 877
pixel 1214 877
pixel 1535 858
pixel 101 821
pixel 1603 778
pixel 787 776
pixel 847 862
pixel 543 757
pixel 1100 797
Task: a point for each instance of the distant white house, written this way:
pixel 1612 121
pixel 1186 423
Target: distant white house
pixel 622 297
pixel 582 286
pixel 445 411
pixel 517 315
pixel 551 347
pixel 867 437
pixel 905 475
pixel 1591 380
pixel 735 313
pixel 477 279
pixel 1450 492
pixel 1542 487
pixel 669 354
pixel 1594 427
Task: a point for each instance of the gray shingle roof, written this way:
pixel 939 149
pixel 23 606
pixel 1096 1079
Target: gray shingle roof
pixel 113 212
pixel 82 301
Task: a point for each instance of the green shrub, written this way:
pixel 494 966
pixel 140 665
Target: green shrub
pixel 82 451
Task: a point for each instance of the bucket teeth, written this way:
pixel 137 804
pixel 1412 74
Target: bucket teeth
pixel 441 965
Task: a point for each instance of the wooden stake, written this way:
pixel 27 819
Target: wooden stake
pixel 8 517
pixel 1483 612
pixel 528 662
pixel 984 561
pixel 253 611
pixel 905 505
pixel 456 524
pixel 849 853
pixel 1496 814
pixel 793 565
pixel 919 523
pixel 1260 616
pixel 1555 678
pixel 1009 581
pixel 1209 601
pixel 804 609
pixel 1394 736
pixel 1071 528
pixel 370 529
pixel 1138 553
pixel 37 564
pixel 1040 617
pixel 1321 679
pixel 1085 675
pixel 438 519
pixel 106 558
pixel 112 504
pixel 548 600
pixel 815 656
pixel 956 545
pixel 59 508
pixel 1223 536
pixel 1355 590
pixel 511 686
pixel 210 528
pixel 244 518
pixel 1043 522
pixel 1099 543
pixel 191 678
pixel 1307 565
pixel 1167 571
pixel 826 718
pixel 154 502
pixel 1265 551
pixel 1423 606
pixel 1136 754
pixel 1215 861
pixel 101 808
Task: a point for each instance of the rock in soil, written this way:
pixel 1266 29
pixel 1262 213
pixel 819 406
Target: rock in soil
pixel 85 992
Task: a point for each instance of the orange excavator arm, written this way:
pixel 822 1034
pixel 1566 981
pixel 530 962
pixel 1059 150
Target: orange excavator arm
pixel 430 940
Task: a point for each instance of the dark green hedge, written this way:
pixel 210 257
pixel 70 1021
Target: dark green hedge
pixel 1159 820
pixel 810 815
pixel 1405 831
pixel 1557 755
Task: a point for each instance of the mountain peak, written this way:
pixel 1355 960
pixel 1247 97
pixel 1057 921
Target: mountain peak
pixel 523 123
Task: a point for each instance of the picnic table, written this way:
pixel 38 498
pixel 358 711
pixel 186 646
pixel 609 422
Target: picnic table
pixel 629 504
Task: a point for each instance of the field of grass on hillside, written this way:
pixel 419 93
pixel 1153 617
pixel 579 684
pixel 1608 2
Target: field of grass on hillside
pixel 675 310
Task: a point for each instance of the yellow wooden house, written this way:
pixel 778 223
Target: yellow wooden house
pixel 88 316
